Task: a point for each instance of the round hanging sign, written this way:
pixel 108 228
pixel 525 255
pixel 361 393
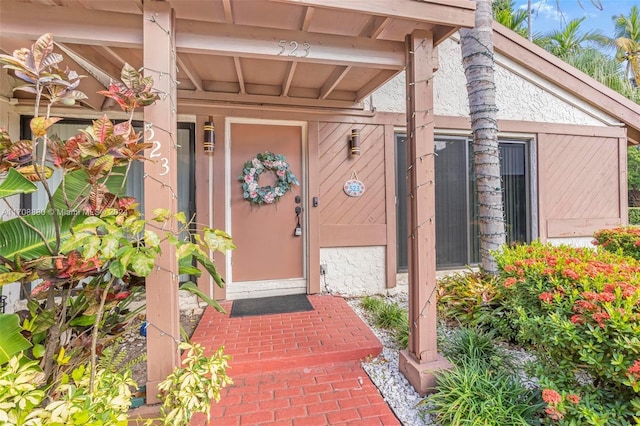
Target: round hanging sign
pixel 354 187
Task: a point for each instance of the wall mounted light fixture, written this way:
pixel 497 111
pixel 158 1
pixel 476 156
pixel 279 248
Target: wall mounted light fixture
pixel 209 135
pixel 354 142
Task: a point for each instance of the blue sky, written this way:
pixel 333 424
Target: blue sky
pixel 554 14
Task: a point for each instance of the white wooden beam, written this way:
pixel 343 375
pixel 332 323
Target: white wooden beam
pixel 440 12
pixel 285 45
pixel 286 84
pixel 187 67
pixel 238 66
pixel 334 79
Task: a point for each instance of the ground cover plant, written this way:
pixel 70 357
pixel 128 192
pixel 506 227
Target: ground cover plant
pixel 390 316
pixel 474 299
pixel 481 388
pixel 579 309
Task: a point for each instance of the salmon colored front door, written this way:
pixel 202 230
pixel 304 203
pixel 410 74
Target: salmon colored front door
pixel 269 258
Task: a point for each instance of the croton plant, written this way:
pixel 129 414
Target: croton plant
pixel 81 259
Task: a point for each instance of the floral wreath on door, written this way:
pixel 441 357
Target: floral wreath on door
pixel 269 194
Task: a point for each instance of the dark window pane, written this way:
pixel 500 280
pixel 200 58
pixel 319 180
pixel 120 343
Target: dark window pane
pixel 401 202
pixel 451 203
pixel 514 190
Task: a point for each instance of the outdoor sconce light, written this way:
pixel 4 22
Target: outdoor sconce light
pixel 354 142
pixel 209 135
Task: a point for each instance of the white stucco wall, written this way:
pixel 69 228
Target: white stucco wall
pixel 573 242
pixel 520 94
pixel 353 271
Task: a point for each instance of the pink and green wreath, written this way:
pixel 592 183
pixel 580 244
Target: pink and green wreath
pixel 267 162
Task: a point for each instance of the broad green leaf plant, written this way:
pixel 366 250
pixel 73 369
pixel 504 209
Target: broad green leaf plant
pixel 81 260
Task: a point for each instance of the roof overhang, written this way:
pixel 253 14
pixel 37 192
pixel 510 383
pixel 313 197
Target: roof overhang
pixel 567 77
pixel 328 53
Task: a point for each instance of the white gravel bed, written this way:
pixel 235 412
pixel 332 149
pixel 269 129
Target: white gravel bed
pixel 384 373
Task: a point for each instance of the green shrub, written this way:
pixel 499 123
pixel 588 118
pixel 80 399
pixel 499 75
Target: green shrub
pixel 580 307
pixel 21 382
pixel 75 402
pixel 473 299
pixel 390 316
pixel 469 394
pixel 625 240
pixel 570 401
pixel 193 387
pixel 468 345
pixel 634 215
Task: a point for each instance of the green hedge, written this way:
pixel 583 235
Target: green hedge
pixel 581 308
pixel 634 215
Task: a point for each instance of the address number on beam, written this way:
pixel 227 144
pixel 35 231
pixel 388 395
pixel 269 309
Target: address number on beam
pixel 293 48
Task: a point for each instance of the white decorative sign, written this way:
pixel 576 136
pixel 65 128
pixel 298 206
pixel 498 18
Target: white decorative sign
pixel 354 187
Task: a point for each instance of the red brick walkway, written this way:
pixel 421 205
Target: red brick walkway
pixel 296 369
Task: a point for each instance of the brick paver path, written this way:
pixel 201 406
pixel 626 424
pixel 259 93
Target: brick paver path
pixel 296 369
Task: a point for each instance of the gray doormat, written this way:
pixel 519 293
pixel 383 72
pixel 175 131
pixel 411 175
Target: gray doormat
pixel 271 305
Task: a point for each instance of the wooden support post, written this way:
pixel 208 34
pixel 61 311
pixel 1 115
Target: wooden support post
pixel 160 183
pixel 421 360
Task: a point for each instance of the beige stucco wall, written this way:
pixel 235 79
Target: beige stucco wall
pixel 520 94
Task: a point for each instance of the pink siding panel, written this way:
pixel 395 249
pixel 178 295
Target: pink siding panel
pixel 579 184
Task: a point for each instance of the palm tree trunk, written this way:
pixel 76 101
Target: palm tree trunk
pixel 478 62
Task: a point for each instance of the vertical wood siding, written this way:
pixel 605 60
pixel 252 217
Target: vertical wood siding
pixel 579 184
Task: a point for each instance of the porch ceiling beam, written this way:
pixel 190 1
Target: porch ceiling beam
pixel 89 86
pixel 238 66
pixel 442 33
pixel 377 81
pixel 122 56
pixel 375 27
pixel 125 30
pixel 235 98
pixel 334 79
pixel 88 61
pixel 228 12
pixel 275 44
pixel 306 18
pixel 83 26
pixel 453 12
pixel 115 56
pixel 187 67
pixel 286 84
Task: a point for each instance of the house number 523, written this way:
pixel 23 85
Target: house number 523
pixel 293 48
pixel 156 152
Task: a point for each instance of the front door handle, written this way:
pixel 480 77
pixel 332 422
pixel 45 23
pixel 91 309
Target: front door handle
pixel 298 230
